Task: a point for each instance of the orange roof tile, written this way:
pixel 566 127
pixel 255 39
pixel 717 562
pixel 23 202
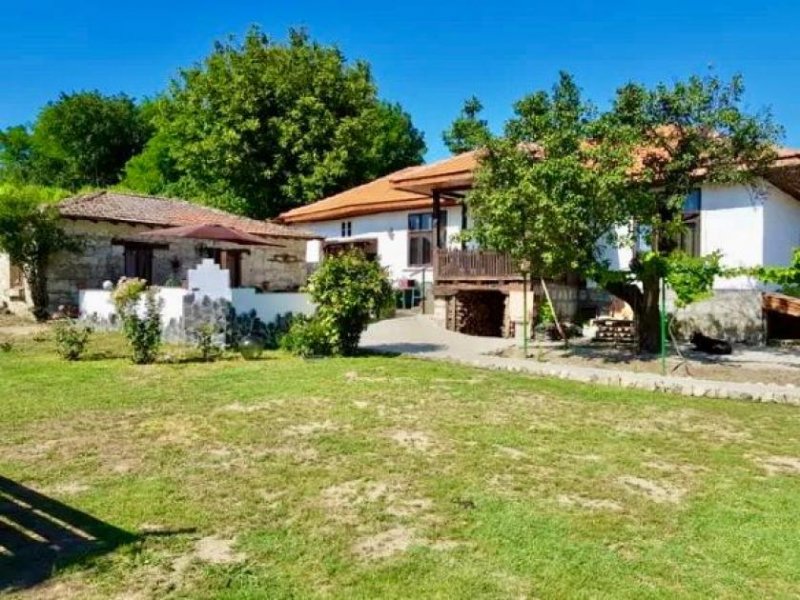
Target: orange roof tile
pixel 123 207
pixel 411 188
pixel 376 196
pixel 454 172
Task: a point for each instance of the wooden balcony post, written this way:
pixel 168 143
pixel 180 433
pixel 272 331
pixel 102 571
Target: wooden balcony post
pixel 437 222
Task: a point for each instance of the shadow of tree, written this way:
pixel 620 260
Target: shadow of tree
pixel 39 535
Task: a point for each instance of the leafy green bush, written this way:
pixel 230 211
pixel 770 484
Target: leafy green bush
pixel 349 291
pixel 204 338
pixel 277 330
pixel 143 331
pixel 71 339
pixel 307 337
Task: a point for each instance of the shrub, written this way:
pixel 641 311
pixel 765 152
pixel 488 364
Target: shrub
pixel 277 330
pixel 142 331
pixel 204 338
pixel 6 345
pixel 71 339
pixel 308 337
pixel 349 291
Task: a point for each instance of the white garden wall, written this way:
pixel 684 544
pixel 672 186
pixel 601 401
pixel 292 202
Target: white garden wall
pixel 206 282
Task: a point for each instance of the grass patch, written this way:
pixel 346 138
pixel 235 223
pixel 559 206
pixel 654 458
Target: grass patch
pixel 390 477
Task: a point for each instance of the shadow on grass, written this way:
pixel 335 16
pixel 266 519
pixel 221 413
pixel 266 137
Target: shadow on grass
pixel 402 348
pixel 39 535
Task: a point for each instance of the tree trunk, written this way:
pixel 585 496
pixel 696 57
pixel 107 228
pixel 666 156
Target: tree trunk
pixel 648 322
pixel 37 281
pixel 553 311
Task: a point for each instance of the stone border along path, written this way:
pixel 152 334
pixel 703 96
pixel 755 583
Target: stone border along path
pixel 419 337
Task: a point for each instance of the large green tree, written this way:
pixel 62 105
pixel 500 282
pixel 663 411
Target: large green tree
pixel 565 179
pixel 30 234
pixel 260 127
pixel 468 131
pixel 80 139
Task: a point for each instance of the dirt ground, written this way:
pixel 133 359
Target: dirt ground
pixel 15 326
pixel 745 365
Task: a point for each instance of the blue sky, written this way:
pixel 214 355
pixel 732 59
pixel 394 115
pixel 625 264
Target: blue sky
pixel 428 56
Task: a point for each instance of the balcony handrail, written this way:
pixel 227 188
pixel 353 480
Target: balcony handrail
pixel 473 264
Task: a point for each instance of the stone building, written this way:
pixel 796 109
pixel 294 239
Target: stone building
pixel 108 224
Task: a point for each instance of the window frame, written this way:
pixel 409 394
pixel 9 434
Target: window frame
pixel 136 266
pixel 421 227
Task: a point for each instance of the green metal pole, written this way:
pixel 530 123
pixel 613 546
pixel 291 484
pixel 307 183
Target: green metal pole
pixel 663 323
pixel 525 314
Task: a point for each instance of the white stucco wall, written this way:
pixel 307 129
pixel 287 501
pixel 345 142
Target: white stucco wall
pixel 732 221
pixel 751 227
pixel 391 231
pixel 781 228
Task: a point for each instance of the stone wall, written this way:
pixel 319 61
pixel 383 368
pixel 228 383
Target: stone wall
pixel 273 268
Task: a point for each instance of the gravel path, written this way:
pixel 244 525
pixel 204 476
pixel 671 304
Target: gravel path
pixel 418 336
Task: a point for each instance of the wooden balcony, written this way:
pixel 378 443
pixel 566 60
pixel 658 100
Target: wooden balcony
pixel 473 268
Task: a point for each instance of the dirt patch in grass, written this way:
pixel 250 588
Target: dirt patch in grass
pixel 661 492
pixel 312 428
pixel 397 540
pixel 415 441
pixel 68 488
pixel 217 550
pixel 344 501
pixel 512 453
pixel 589 503
pixel 385 544
pixel 238 407
pixel 685 421
pixel 781 465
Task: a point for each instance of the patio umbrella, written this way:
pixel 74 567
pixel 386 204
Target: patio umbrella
pixel 217 233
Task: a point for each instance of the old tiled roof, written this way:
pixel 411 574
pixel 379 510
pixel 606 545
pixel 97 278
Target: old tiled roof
pixel 411 188
pixel 454 172
pixel 373 197
pixel 122 207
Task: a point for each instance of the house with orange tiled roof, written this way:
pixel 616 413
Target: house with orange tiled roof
pixel 410 221
pixel 109 224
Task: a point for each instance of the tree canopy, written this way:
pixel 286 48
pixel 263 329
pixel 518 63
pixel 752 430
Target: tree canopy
pixel 468 131
pixel 260 127
pixel 80 139
pixel 566 178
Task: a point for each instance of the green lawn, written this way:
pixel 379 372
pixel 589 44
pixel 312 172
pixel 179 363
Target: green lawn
pixel 386 477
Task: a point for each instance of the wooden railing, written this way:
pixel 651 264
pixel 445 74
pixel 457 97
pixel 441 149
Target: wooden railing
pixel 459 265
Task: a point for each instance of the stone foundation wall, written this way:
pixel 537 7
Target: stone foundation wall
pixel 274 268
pixel 733 315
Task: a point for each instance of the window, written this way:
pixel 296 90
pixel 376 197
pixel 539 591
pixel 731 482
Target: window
pixel 689 240
pixel 139 262
pixel 692 203
pixel 690 236
pixel 421 236
pixel 347 228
